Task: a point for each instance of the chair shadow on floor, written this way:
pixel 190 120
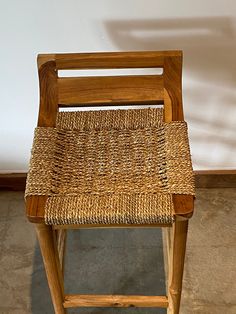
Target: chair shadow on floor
pixel 106 261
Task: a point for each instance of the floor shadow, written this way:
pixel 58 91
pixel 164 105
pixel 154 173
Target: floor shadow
pixel 108 261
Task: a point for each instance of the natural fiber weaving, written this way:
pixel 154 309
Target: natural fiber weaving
pixel 110 167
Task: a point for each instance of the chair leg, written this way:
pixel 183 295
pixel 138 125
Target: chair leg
pixel 176 264
pixel 46 238
pixel 166 240
pixel 61 243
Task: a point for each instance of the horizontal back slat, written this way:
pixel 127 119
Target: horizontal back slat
pixel 109 60
pixel 108 90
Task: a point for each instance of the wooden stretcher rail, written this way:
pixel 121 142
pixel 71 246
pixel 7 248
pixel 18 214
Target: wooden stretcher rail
pixel 115 301
pixel 113 226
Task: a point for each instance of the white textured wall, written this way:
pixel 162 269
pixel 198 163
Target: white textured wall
pixel 205 30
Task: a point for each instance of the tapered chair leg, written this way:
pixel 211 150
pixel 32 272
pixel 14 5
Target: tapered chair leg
pixel 52 266
pixel 176 264
pixel 60 244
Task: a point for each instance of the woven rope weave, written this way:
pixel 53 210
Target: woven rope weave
pixel 110 167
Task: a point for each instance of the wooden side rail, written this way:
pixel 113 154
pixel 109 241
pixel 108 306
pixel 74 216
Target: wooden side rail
pixel 115 301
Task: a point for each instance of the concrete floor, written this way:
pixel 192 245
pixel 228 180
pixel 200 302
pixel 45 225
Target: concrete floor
pixel 128 261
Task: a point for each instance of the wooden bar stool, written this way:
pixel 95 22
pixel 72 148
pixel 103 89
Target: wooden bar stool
pixel 112 168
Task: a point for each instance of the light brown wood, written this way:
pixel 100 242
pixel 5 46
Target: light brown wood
pixel 48 94
pixel 35 208
pixel 173 89
pixel 167 249
pixel 61 244
pixel 173 111
pixel 44 58
pixel 115 301
pixel 50 259
pixel 57 258
pixel 109 90
pixel 167 107
pixel 90 226
pixel 177 247
pixel 183 205
pixel 109 60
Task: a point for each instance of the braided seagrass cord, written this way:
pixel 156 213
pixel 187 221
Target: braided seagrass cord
pixel 110 167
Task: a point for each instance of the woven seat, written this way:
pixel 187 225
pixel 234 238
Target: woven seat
pixel 110 167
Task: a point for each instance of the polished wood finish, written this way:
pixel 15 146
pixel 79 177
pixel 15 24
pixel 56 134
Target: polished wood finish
pixel 183 205
pixel 61 244
pixel 50 258
pixel 173 111
pixel 110 90
pixel 173 89
pixel 108 60
pixel 48 94
pixel 117 226
pixel 177 247
pixel 115 301
pixel 35 208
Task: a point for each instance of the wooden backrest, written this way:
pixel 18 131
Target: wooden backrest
pixel 58 92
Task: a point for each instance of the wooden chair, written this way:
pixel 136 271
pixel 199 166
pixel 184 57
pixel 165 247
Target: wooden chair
pixel 55 92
